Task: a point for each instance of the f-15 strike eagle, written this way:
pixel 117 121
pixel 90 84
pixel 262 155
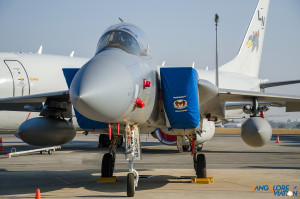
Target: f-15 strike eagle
pixel 122 92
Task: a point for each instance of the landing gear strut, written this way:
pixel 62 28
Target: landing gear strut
pixel 132 152
pixel 105 142
pixel 185 148
pixel 108 160
pixel 199 159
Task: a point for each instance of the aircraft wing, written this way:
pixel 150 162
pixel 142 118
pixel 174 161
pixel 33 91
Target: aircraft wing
pixel 55 103
pixel 292 103
pixel 240 105
pixel 282 83
pixel 37 98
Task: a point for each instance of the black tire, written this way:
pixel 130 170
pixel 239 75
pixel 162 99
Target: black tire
pixel 41 152
pixel 195 162
pixel 185 148
pixel 49 152
pixel 107 168
pixel 104 141
pixel 120 143
pixel 201 166
pixel 113 162
pixel 130 185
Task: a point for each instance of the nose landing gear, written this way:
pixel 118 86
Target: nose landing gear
pixel 198 158
pixel 108 160
pixel 132 152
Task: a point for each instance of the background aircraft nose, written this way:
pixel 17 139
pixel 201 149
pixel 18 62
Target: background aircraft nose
pixel 102 89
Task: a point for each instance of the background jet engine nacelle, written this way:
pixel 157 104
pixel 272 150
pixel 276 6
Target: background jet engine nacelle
pixel 46 131
pixel 256 131
pixel 164 138
pixel 207 133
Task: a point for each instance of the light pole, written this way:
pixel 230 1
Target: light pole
pixel 217 67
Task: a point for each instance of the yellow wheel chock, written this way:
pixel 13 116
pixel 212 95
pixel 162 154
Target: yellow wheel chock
pixel 207 180
pixel 112 179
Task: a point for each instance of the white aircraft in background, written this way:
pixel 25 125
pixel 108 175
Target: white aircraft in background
pixel 28 74
pixel 121 91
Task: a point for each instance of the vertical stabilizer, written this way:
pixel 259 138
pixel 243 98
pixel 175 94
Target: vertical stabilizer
pixel 247 61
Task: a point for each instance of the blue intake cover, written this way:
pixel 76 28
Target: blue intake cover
pixel 180 96
pixel 82 121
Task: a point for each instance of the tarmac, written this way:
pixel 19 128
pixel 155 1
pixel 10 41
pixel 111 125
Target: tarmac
pixel 239 171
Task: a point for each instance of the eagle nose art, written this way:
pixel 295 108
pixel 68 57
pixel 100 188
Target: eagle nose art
pixel 102 89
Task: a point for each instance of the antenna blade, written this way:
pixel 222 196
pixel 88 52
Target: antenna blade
pixel 40 50
pixel 72 54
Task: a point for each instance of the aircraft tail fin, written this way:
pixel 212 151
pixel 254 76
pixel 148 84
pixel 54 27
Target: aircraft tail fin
pixel 247 61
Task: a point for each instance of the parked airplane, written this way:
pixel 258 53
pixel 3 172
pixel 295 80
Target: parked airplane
pixel 121 91
pixel 27 74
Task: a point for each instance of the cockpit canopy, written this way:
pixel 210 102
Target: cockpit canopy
pixel 126 37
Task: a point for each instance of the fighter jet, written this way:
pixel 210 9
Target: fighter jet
pixel 121 91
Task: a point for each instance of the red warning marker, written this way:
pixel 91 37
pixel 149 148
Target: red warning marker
pixel 109 131
pixel 38 194
pixel 139 103
pixel 147 84
pixel 1 147
pixel 277 140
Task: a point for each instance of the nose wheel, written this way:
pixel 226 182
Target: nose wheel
pixel 130 185
pixel 132 182
pixel 132 152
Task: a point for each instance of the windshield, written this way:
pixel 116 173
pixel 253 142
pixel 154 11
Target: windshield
pixel 119 39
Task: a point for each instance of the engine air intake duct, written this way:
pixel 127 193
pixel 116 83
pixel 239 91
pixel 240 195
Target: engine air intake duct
pixel 180 96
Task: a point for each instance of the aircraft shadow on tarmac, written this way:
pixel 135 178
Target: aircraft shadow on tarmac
pixel 249 152
pixel 272 167
pixel 26 182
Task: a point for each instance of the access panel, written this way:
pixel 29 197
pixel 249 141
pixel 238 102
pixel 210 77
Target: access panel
pixel 20 78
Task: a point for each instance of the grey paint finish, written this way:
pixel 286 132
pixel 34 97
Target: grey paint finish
pixel 256 131
pixel 46 131
pixel 106 88
pixel 102 89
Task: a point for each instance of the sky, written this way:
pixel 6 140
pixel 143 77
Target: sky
pixel 179 32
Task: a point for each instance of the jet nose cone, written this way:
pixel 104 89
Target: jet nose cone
pixel 102 89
